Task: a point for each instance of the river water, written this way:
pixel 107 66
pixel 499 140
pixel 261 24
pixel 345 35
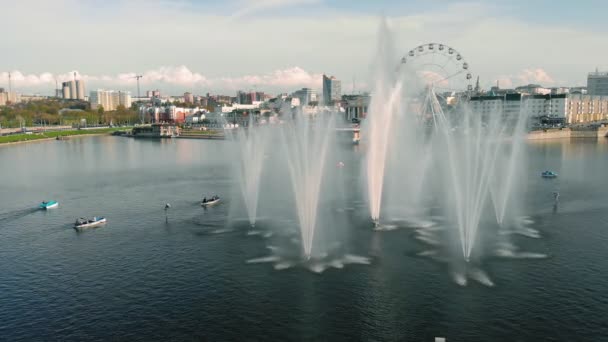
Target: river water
pixel 184 277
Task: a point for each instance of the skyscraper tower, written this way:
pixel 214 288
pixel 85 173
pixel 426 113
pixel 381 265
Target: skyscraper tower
pixel 332 89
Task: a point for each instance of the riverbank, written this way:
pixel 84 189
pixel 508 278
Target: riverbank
pixel 569 133
pixel 23 138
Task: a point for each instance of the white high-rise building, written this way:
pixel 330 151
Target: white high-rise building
pixel 124 98
pixel 109 99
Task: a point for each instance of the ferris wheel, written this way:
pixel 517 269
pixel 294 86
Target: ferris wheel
pixel 439 66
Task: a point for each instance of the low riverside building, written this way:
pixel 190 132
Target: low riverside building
pixel 156 131
pixel 556 110
pixel 355 106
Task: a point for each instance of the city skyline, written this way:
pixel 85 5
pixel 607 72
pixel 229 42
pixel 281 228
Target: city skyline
pixel 175 51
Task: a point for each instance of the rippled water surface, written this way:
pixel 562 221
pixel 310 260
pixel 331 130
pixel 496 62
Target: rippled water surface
pixel 141 278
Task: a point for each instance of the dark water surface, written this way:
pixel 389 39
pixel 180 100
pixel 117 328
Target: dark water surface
pixel 140 279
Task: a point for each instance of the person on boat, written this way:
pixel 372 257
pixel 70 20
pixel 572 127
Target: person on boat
pixel 205 200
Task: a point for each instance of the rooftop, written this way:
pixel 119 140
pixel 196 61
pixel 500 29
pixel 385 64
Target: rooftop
pixel 598 74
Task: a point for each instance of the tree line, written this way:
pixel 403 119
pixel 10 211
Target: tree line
pixel 49 112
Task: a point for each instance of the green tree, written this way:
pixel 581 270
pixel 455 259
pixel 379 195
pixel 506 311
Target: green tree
pixel 100 110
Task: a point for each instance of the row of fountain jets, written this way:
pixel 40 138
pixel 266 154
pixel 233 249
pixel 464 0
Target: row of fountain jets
pixel 416 157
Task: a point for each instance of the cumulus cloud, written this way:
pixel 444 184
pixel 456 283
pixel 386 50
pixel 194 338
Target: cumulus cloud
pixel 282 79
pixel 537 75
pixel 527 76
pixel 181 77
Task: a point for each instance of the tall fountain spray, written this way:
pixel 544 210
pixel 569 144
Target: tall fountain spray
pixel 504 186
pixel 385 105
pixel 307 143
pixel 252 145
pixel 468 147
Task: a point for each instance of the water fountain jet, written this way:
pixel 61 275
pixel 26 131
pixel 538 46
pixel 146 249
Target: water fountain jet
pixel 306 142
pixel 252 144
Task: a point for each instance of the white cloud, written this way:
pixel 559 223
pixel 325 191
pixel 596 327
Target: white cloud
pixel 173 77
pixel 134 36
pixel 527 76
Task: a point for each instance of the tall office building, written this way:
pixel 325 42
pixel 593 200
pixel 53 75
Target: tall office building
pixel 332 89
pixel 597 83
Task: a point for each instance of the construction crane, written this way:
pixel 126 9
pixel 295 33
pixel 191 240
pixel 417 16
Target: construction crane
pixel 138 95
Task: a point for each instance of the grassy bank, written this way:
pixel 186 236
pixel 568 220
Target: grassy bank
pixel 46 135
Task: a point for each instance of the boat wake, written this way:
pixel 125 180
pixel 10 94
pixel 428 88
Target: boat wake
pixel 16 214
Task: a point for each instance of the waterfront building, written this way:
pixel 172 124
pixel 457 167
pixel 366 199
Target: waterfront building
pixel 355 106
pixel 597 83
pixel 306 96
pixel 332 90
pixel 156 131
pixel 188 97
pixel 558 109
pixel 582 109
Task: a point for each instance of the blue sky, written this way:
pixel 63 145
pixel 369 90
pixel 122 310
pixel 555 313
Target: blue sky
pixel 281 45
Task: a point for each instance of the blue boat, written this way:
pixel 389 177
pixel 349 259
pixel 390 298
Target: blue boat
pixel 548 174
pixel 49 205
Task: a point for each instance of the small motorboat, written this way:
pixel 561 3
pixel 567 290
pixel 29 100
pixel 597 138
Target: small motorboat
pixel 210 202
pixel 548 174
pixel 88 223
pixel 49 205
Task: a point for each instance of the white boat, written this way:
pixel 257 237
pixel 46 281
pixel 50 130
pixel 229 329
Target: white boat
pixel 87 223
pixel 211 202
